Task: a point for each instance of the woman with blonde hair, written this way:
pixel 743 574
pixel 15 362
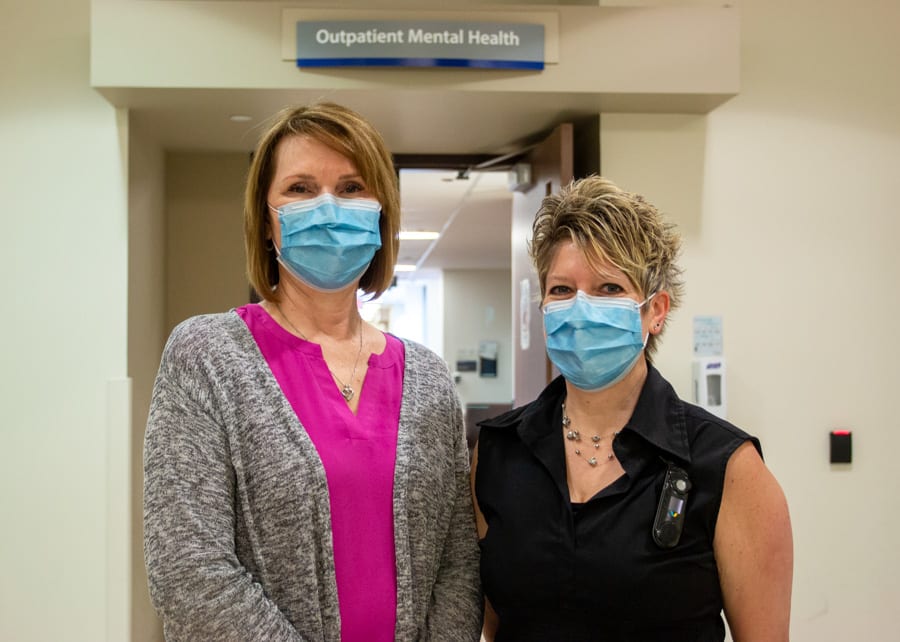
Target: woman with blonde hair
pixel 610 509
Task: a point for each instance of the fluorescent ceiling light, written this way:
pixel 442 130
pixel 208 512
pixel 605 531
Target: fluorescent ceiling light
pixel 409 235
pixel 404 267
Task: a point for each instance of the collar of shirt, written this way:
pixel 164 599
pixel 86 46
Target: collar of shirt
pixel 658 417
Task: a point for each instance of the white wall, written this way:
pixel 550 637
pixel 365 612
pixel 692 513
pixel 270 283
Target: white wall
pixel 477 307
pixel 787 199
pixel 205 264
pixel 63 386
pixel 147 332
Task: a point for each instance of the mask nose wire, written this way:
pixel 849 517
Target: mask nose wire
pixel 584 295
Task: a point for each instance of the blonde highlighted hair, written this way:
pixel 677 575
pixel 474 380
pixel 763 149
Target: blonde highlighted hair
pixel 611 225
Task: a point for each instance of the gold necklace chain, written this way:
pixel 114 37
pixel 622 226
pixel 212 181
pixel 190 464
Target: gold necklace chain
pixel 347 390
pixel 575 436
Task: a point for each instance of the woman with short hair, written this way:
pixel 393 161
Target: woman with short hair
pixel 610 509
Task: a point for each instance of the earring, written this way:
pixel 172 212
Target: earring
pixel 270 245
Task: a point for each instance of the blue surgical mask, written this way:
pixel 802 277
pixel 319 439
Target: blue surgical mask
pixel 328 242
pixel 594 341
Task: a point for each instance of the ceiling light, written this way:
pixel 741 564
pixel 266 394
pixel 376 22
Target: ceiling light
pixel 240 118
pixel 404 267
pixel 410 235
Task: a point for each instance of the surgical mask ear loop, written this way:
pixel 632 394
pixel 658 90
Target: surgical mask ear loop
pixel 640 305
pixel 647 300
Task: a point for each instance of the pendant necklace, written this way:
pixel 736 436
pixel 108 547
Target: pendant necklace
pixel 347 390
pixel 575 436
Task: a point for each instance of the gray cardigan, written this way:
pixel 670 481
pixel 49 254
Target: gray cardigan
pixel 237 528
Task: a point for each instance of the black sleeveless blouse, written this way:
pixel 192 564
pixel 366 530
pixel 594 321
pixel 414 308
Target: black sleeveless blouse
pixel 554 572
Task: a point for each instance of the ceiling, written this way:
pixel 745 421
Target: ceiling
pixel 473 214
pixel 424 118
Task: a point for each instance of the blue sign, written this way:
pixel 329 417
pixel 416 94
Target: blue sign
pixel 371 43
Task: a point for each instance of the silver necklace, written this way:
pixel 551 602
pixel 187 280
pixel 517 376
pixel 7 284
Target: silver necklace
pixel 347 390
pixel 575 436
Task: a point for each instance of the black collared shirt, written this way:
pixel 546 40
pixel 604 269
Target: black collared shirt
pixel 554 572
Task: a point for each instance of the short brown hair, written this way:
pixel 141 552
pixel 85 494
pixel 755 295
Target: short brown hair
pixel 609 224
pixel 348 133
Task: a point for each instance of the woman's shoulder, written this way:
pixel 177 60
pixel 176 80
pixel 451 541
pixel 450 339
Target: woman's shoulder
pixel 707 430
pixel 538 411
pixel 207 328
pixel 208 337
pixel 422 358
pixel 207 322
pixel 690 426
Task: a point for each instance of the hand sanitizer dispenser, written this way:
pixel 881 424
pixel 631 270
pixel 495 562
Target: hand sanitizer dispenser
pixel 709 384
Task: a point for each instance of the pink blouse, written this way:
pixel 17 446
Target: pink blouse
pixel 358 454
